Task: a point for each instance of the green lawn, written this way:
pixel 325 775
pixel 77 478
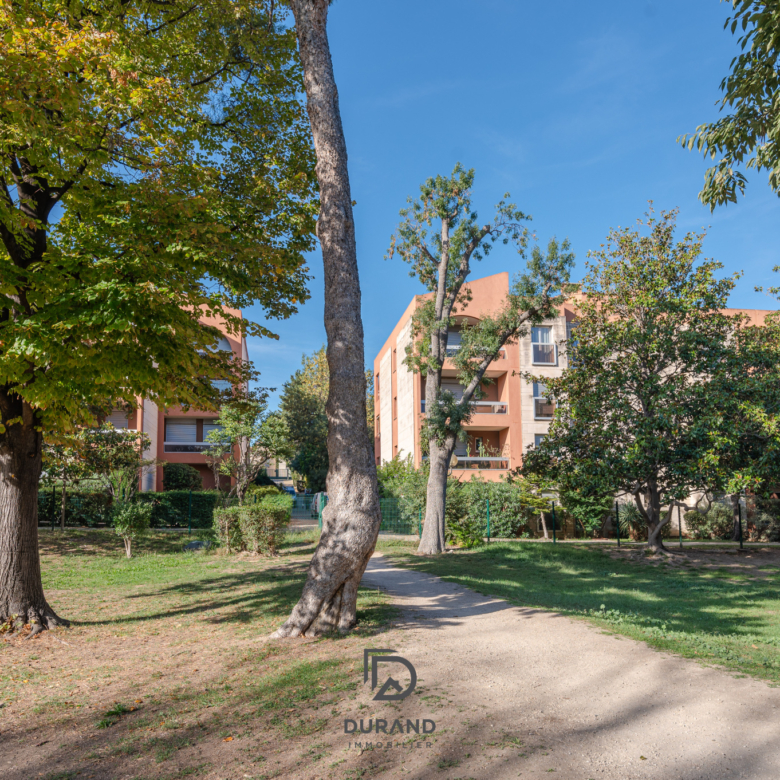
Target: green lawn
pixel 717 607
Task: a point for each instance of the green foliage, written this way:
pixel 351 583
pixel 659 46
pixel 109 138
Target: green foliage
pixel 258 527
pixel 748 137
pixel 588 511
pixel 465 531
pixel 172 508
pixel 441 259
pixel 649 406
pixel 172 141
pixel 512 505
pixel 82 507
pixel 717 523
pixel 302 407
pixel 247 438
pixel 131 519
pixel 181 476
pixel 255 492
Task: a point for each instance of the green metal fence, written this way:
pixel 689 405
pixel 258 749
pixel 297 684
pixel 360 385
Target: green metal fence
pixel 396 518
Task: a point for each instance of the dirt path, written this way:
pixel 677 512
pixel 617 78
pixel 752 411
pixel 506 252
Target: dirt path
pixel 521 693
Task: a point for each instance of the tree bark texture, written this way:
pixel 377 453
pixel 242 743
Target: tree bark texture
pixel 433 534
pixel 351 519
pixel 21 592
pixel 735 510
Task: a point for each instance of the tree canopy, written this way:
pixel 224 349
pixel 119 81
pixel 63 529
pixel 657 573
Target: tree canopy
pixel 749 136
pixel 650 406
pixel 155 167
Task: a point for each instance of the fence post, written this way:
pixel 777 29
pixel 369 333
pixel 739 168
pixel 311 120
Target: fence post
pixel 553 519
pixel 419 524
pixel 739 510
pixel 679 524
pixel 617 522
pixel 189 516
pixel 53 504
pixel 487 501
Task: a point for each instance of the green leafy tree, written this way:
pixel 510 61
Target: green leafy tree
pixel 441 259
pixel 63 462
pixel 748 136
pixel 131 520
pixel 305 420
pixel 114 457
pixel 155 167
pixel 647 407
pixel 245 440
pixel 181 476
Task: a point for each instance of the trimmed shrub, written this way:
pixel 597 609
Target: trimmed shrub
pixel 131 520
pixel 172 507
pixel 181 476
pixel 258 491
pixel 509 517
pixel 258 527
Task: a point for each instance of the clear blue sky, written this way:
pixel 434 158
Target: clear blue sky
pixel 572 107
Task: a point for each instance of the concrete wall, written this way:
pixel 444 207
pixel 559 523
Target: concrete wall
pixel 386 406
pixel 405 395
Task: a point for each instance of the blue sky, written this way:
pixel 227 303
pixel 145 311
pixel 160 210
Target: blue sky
pixel 574 108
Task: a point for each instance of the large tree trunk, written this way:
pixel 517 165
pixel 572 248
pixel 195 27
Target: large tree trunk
pixel 21 592
pixel 432 540
pixel 351 519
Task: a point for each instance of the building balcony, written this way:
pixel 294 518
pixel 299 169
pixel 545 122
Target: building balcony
pixel 278 473
pixel 482 407
pixel 480 463
pixel 194 446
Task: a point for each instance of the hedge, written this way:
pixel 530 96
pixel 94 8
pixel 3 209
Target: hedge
pixel 81 507
pixel 258 527
pixel 171 508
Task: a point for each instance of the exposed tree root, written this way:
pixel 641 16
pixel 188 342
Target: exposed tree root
pixel 38 620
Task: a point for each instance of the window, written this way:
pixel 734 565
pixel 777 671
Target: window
pixel 118 419
pixel 571 343
pixel 208 427
pixel 221 384
pixel 453 342
pixel 539 438
pixel 543 404
pixel 479 444
pixel 544 352
pixel 181 431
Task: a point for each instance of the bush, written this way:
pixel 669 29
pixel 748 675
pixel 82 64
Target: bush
pixel 181 476
pixel 509 517
pixel 258 527
pixel 465 532
pixel 256 491
pixel 172 508
pixel 131 520
pixel 718 523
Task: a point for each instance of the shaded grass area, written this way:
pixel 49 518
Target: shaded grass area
pixel 729 615
pixel 165 665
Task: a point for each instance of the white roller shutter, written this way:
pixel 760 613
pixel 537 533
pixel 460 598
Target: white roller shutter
pixel 117 419
pixel 181 431
pixel 208 428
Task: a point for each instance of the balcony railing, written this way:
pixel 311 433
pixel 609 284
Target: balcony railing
pixel 194 446
pixel 453 350
pixel 482 407
pixel 481 463
pixel 278 473
pixel 543 409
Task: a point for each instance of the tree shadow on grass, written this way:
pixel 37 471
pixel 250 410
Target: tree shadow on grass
pixel 573 580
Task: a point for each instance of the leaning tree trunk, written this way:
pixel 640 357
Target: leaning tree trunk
pixel 433 540
pixel 21 592
pixel 351 519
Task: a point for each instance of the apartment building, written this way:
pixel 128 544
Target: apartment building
pixel 513 415
pixel 178 436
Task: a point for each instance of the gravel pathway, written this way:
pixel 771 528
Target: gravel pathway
pixel 522 692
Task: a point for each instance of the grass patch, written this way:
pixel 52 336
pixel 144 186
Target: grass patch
pixel 166 662
pixel 723 614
